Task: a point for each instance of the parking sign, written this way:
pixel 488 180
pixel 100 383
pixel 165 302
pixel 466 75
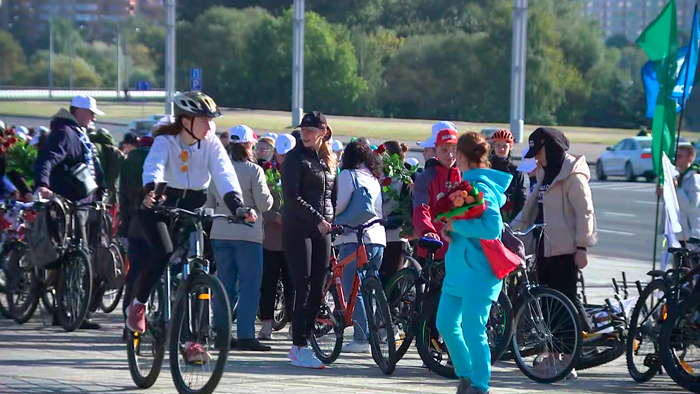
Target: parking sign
pixel 196 79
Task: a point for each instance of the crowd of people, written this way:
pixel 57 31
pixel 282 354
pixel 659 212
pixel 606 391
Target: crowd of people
pixel 289 188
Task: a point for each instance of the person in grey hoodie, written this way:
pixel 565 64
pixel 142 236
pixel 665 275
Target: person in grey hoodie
pixel 238 247
pixel 688 192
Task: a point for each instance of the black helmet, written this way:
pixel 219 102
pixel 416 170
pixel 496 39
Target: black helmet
pixel 195 104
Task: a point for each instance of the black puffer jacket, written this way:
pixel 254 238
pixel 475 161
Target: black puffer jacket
pixel 516 191
pixel 308 190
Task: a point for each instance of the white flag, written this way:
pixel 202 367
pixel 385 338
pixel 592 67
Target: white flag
pixel 673 210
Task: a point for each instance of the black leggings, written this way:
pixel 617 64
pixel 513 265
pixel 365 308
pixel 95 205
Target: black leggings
pixel 308 259
pixel 392 261
pixel 560 273
pixel 274 266
pixel 154 229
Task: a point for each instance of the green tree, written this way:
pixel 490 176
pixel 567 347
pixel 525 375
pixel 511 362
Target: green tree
pixel 84 75
pixel 11 56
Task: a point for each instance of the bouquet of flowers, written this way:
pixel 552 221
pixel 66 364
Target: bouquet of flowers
pixel 396 171
pixel 20 155
pixel 461 201
pixel 274 179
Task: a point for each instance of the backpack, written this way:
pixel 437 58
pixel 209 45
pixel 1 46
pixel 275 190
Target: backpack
pixel 43 238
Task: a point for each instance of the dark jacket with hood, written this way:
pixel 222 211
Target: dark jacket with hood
pixel 63 150
pixel 130 186
pixel 426 188
pixel 307 185
pixel 111 158
pixel 515 194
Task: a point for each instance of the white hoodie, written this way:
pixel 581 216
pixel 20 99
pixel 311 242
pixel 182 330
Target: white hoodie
pixel 164 164
pixel 689 203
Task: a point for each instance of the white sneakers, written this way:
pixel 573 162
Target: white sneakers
pixel 266 331
pixel 304 357
pixel 356 347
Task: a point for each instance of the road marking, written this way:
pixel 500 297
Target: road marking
pixel 627 215
pixel 600 230
pixel 645 202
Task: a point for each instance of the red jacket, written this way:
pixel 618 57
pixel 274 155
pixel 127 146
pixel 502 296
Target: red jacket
pixel 427 186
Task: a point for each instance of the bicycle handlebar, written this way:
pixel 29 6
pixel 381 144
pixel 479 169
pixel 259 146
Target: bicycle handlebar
pixel 199 214
pixel 528 230
pixel 340 229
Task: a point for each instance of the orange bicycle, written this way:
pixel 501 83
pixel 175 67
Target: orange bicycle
pixel 336 312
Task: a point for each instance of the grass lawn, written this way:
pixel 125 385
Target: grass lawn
pixel 375 128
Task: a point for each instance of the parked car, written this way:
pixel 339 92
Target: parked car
pixel 142 127
pixel 630 158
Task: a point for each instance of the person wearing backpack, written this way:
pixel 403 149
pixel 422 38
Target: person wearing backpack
pixel 111 159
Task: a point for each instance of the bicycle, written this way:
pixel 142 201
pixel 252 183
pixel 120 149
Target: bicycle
pixel 336 313
pixel 662 295
pixel 187 323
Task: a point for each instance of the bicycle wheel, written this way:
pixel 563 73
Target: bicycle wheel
pixel 499 328
pixel 74 289
pixel 279 316
pixel 547 339
pixel 198 346
pixel 113 294
pixel 601 353
pixel 145 351
pixel 401 293
pixel 48 300
pixel 4 311
pixel 431 347
pixel 327 332
pixel 381 328
pixel 22 291
pixel 642 347
pixel 680 344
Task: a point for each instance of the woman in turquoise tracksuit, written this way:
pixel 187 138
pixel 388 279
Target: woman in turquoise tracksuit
pixel 470 286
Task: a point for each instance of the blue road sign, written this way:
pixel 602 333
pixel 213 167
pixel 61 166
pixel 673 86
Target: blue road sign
pixel 143 85
pixel 196 85
pixel 196 73
pixel 196 79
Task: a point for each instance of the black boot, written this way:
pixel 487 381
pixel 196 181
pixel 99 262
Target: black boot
pixel 464 385
pixel 54 320
pixel 252 345
pixel 88 324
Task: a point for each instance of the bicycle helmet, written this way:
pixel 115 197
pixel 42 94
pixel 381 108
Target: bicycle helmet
pixel 196 104
pixel 503 135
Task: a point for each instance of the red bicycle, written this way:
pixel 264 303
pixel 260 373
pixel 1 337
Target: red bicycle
pixel 115 287
pixel 337 313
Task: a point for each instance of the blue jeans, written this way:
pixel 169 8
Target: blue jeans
pixel 374 254
pixel 240 262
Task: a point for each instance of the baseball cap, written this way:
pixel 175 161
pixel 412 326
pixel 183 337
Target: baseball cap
pixel 527 165
pixel 131 138
pixel 337 146
pixel 272 135
pixel 313 119
pixel 2 125
pixel 412 161
pixel 86 102
pixel 242 134
pixel 437 127
pixel 284 143
pixel 446 136
pixel 21 132
pixel 545 136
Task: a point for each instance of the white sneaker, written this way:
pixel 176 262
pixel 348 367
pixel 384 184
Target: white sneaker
pixel 266 331
pixel 573 375
pixel 305 358
pixel 356 347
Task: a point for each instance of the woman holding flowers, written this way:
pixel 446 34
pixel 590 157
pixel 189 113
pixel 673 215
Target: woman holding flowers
pixel 470 284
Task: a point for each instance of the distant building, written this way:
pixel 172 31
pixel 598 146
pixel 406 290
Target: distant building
pixel 630 17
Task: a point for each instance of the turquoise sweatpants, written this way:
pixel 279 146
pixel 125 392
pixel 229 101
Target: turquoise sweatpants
pixel 462 324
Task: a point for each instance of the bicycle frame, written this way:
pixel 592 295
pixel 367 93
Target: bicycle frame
pixel 338 267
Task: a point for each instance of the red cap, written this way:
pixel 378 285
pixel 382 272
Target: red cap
pixel 446 136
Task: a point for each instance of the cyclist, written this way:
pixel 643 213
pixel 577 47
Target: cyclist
pixel 688 191
pixel 67 146
pixel 361 168
pixel 308 175
pixel 187 155
pixel 433 181
pixel 238 248
pixel 470 286
pixel 502 143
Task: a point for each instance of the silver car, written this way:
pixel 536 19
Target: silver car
pixel 630 158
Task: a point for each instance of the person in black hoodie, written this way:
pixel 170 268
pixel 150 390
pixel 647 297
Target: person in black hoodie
pixel 502 144
pixel 308 177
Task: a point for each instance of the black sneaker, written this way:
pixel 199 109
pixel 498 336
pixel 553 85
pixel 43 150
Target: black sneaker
pixel 252 345
pixel 90 325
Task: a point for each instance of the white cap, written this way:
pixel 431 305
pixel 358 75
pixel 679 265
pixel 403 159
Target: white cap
pixel 527 165
pixel 21 132
pixel 242 134
pixel 86 102
pixel 437 127
pixel 2 124
pixel 284 143
pixel 412 161
pixel 272 135
pixel 337 146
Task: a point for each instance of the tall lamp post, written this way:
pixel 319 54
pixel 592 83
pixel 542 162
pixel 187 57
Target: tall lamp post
pixel 298 63
pixel 517 70
pixel 169 55
pixel 51 58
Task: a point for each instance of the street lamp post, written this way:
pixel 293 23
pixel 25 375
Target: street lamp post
pixel 50 57
pixel 119 59
pixel 517 70
pixel 298 63
pixel 169 55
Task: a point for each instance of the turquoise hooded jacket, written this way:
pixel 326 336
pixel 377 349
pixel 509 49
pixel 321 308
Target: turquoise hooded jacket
pixel 468 273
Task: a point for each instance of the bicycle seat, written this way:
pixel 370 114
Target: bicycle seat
pixel 694 241
pixel 656 273
pixel 431 245
pixel 678 250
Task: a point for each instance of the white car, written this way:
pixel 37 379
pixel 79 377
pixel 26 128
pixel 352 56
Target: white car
pixel 630 158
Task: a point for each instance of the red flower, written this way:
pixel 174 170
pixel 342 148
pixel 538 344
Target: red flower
pixel 267 165
pixel 12 140
pixel 387 181
pixel 11 132
pixel 381 149
pixel 6 144
pixel 279 166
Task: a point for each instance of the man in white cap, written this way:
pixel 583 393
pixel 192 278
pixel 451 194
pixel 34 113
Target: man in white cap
pixel 337 148
pixel 69 166
pixel 429 144
pixel 283 144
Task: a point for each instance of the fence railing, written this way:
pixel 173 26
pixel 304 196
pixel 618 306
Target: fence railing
pixel 62 94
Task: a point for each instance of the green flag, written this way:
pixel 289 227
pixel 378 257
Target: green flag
pixel 660 42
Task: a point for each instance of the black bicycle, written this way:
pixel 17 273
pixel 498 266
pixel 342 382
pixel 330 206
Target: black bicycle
pixel 198 346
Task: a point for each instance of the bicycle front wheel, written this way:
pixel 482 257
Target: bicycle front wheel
pixel 680 344
pixel 113 294
pixel 431 347
pixel 198 346
pixel 145 351
pixel 499 328
pixel 22 289
pixel 401 293
pixel 74 289
pixel 548 339
pixel 327 332
pixel 643 359
pixel 381 328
